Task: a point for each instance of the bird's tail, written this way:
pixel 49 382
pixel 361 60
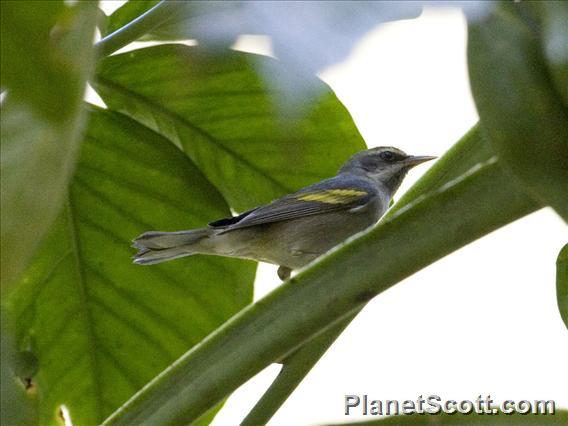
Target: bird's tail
pixel 156 247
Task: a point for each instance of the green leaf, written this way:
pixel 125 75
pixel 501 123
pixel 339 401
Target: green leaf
pixel 294 368
pixel 100 326
pixel 562 283
pixel 519 106
pixel 45 79
pixel 555 38
pixel 334 287
pixel 43 60
pixel 207 418
pixel 227 121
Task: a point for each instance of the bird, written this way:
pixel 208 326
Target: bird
pixel 297 228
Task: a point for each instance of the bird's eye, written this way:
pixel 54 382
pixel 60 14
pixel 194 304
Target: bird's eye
pixel 387 155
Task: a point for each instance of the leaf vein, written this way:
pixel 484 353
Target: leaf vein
pixel 143 306
pixel 127 184
pixel 85 311
pixel 40 287
pixel 147 337
pixel 186 123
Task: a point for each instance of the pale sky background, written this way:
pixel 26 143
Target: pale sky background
pixel 483 320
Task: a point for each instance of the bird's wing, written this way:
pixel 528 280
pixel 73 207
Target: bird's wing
pixel 330 195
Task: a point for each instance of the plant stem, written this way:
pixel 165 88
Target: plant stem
pixel 138 27
pixel 296 367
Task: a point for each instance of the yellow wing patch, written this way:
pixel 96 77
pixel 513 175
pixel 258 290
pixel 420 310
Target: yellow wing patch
pixel 333 196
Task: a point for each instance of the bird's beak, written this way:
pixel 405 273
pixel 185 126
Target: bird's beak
pixel 414 160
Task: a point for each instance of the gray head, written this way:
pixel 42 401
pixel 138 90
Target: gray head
pixel 386 166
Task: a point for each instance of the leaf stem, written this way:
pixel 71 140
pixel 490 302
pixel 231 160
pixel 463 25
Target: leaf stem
pixel 296 366
pixel 138 27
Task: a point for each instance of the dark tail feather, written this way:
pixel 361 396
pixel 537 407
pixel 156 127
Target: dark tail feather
pixel 156 247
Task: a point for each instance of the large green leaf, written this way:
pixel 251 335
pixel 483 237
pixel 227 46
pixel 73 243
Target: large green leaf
pixel 518 104
pixel 100 326
pixel 223 116
pixel 46 58
pixel 473 204
pixel 43 53
pixel 562 283
pixel 555 40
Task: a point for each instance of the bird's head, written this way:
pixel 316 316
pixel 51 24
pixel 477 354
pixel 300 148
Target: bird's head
pixel 386 166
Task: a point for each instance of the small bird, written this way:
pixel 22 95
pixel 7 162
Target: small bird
pixel 297 228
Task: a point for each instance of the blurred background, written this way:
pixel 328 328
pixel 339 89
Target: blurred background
pixel 483 320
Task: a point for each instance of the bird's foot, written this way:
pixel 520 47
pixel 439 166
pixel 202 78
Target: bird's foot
pixel 284 272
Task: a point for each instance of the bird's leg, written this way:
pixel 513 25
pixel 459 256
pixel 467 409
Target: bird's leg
pixel 284 272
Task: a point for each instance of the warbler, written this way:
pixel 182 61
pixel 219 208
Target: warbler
pixel 297 228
